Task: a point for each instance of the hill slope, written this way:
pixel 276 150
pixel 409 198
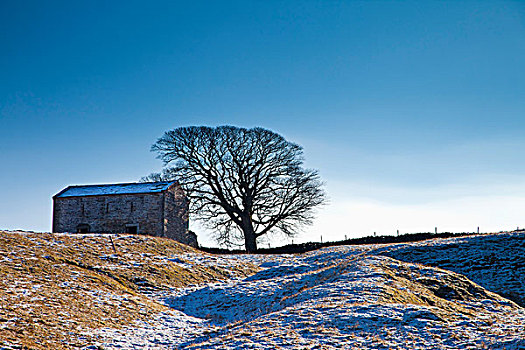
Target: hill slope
pixel 344 297
pixel 157 294
pixel 56 288
pixel 496 262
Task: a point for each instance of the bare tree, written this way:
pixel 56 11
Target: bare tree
pixel 242 183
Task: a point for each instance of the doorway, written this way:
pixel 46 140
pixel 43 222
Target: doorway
pixel 132 229
pixel 83 228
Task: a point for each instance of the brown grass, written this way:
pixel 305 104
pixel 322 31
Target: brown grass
pixel 410 286
pixel 55 288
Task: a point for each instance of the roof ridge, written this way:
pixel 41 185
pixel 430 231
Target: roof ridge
pixel 115 189
pixel 124 183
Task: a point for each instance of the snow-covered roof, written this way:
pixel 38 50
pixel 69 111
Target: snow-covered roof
pixel 126 188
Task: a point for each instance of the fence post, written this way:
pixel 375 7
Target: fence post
pixel 113 244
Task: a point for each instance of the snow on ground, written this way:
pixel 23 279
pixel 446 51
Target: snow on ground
pixel 363 297
pixel 56 288
pixel 496 262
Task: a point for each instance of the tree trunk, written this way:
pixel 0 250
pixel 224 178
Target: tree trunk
pixel 250 240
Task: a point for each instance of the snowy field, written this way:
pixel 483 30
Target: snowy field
pixel 437 294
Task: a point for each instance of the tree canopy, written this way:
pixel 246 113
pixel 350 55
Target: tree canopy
pixel 242 183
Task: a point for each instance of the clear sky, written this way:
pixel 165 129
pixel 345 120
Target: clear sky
pixel 413 112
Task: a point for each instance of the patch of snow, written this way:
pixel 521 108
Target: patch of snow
pixel 334 298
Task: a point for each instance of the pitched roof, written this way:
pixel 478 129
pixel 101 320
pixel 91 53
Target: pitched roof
pixel 126 188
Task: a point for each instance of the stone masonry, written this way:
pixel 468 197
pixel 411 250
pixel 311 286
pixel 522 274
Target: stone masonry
pixel 157 209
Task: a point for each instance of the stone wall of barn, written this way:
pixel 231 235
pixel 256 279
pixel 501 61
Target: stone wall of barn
pixel 176 216
pixel 110 214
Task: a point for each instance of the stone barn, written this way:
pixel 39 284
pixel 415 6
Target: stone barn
pixel 152 208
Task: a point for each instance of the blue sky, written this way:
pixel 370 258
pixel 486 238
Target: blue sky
pixel 413 112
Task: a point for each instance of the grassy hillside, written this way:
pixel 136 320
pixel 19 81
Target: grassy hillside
pixel 56 288
pixel 132 292
pixel 346 297
pixel 496 262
